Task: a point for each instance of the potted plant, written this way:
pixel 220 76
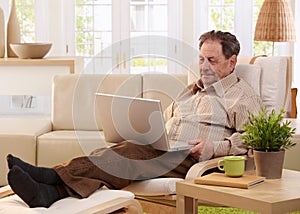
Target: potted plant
pixel 268 135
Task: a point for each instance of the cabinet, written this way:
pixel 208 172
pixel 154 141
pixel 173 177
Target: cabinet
pixel 32 79
pixel 34 76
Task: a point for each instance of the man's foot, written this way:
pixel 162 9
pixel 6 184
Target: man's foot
pixel 31 192
pixel 40 174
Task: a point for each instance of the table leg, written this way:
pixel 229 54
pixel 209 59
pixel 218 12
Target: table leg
pixel 186 205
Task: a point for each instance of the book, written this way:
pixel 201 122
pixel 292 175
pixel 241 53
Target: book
pixel 220 179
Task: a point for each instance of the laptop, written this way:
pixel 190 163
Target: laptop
pixel 138 120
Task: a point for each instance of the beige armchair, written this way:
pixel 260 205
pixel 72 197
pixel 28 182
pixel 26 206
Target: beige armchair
pixel 271 78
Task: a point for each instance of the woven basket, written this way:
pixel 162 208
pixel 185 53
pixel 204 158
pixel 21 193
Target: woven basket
pixel 275 22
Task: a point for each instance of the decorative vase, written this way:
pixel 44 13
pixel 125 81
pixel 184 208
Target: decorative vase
pixel 269 164
pixel 13 29
pixel 2 34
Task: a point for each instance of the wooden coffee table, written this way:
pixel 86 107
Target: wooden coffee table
pixel 272 196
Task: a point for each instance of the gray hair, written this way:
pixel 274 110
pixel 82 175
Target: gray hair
pixel 229 42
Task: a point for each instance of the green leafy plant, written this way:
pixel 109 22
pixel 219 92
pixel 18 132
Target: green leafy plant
pixel 267 131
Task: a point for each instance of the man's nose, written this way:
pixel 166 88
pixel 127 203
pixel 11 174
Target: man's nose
pixel 205 64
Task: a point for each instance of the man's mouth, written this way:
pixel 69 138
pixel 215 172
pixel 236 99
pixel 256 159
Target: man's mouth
pixel 208 74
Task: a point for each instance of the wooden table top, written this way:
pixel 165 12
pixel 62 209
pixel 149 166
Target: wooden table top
pixel 280 194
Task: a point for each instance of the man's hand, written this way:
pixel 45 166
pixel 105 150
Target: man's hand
pixel 202 150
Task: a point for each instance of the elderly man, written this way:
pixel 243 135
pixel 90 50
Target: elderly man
pixel 208 114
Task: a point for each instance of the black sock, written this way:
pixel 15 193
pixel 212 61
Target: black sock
pixel 40 174
pixel 31 192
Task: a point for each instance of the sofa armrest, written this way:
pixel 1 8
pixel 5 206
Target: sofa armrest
pixel 199 168
pixel 293 109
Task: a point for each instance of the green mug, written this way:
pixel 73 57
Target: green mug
pixel 233 166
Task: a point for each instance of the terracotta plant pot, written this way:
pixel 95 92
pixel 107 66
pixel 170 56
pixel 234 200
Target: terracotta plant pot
pixel 269 164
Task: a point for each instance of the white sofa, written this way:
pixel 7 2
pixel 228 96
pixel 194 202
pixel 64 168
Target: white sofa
pixel 76 124
pixel 74 128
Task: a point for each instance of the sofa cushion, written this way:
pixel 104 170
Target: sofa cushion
pixel 60 146
pixel 73 102
pixel 163 87
pixel 18 137
pixel 154 187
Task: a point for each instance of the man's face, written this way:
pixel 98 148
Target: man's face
pixel 213 64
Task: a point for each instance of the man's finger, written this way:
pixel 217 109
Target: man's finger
pixel 193 142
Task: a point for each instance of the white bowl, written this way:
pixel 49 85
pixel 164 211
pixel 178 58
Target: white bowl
pixel 30 50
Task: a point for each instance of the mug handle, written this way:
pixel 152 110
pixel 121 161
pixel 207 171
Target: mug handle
pixel 220 167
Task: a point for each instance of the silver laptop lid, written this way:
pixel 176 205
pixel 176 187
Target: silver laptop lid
pixel 132 119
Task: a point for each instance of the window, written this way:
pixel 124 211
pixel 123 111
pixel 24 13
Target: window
pixel 26 17
pixel 261 47
pixel 221 13
pixel 148 17
pixel 93 30
pixel 102 28
pixel 101 23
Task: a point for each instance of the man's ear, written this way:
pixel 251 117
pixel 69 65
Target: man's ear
pixel 233 61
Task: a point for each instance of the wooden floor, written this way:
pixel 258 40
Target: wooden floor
pixel 156 208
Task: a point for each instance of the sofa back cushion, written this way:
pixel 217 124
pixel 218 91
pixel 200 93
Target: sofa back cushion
pixel 73 101
pixel 275 83
pixel 163 87
pixel 251 74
